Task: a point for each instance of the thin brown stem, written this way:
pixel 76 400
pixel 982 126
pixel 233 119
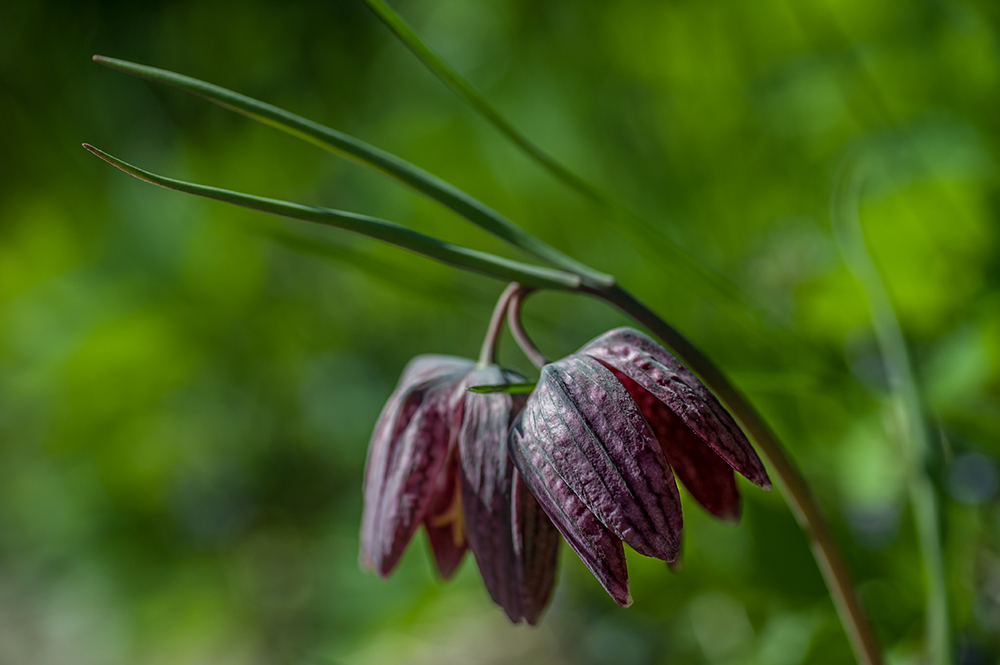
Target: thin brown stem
pixel 790 480
pixel 488 353
pixel 517 329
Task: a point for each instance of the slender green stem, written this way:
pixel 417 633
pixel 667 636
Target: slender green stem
pixel 517 330
pixel 488 353
pixel 347 146
pixel 790 480
pixel 394 234
pixel 907 407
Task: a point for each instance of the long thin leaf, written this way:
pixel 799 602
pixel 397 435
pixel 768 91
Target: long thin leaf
pixel 643 234
pixel 394 234
pixel 322 244
pixel 347 146
pixel 916 447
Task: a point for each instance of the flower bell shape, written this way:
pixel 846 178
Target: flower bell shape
pixel 514 542
pixel 600 439
pixel 438 457
pixel 411 471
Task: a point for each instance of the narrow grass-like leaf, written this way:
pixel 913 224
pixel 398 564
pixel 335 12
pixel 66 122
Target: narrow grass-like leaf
pixel 507 388
pixel 473 98
pixel 323 244
pixel 394 234
pixel 388 164
pixel 644 235
pixel 915 446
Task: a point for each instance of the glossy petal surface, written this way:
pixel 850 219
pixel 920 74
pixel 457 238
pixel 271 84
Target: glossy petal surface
pixel 586 452
pixel 536 549
pixel 485 478
pixel 408 452
pixel 654 369
pixel 514 542
pixel 706 476
pixel 599 549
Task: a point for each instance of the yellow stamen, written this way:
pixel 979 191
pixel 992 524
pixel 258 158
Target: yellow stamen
pixel 452 515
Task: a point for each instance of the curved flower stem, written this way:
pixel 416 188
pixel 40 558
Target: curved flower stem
pixel 488 353
pixel 790 480
pixel 793 485
pixel 537 358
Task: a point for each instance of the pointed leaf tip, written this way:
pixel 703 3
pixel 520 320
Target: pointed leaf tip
pixel 506 388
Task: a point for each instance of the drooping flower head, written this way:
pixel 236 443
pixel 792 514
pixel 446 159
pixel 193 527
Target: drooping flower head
pixel 438 457
pixel 407 480
pixel 514 542
pixel 600 439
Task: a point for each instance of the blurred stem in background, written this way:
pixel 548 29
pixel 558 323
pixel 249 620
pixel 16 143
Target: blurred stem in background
pixel 904 402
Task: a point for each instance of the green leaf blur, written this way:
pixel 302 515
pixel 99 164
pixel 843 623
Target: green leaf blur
pixel 187 388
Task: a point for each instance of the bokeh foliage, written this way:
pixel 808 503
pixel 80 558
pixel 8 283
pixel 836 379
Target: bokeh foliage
pixel 186 389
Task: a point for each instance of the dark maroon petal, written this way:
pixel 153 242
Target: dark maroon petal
pixel 443 524
pixel 447 552
pixel 395 416
pixel 706 475
pixel 407 453
pixel 485 477
pixel 536 546
pixel 652 367
pixel 599 549
pixel 589 429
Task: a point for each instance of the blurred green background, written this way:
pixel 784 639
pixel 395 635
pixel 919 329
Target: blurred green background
pixel 187 389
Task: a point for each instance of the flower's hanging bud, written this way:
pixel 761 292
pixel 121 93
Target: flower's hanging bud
pixel 514 542
pixel 597 442
pixel 406 475
pixel 438 457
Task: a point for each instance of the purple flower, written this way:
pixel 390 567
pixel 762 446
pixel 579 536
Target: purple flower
pixel 600 438
pixel 514 542
pixel 406 476
pixel 438 457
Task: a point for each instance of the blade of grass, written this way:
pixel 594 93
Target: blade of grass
pixel 908 407
pixel 318 243
pixel 394 234
pixel 645 236
pixel 388 164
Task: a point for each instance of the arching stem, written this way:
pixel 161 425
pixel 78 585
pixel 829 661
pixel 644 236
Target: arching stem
pixel 537 358
pixel 488 353
pixel 789 479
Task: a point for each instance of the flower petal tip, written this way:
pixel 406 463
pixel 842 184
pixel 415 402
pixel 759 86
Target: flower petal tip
pixel 628 601
pixel 731 514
